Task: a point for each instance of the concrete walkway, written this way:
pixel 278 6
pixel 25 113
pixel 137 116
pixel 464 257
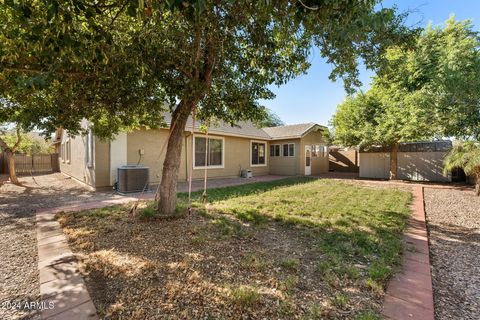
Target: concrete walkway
pixel 409 294
pixel 62 288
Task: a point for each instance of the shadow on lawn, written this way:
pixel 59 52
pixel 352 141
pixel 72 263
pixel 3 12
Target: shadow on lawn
pixel 224 193
pixel 359 249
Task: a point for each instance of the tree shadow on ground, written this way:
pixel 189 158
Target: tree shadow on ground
pixel 224 193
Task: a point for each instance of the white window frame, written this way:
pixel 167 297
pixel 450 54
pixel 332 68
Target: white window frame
pixel 68 151
pixel 266 153
pixel 288 149
pixel 194 152
pixel 90 150
pixel 62 151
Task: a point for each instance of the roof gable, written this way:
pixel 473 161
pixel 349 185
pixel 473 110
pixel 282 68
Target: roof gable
pixel 291 131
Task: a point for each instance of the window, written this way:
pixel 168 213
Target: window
pixel 275 150
pixel 316 150
pixel 258 154
pixel 214 156
pixel 89 147
pixel 319 151
pixel 67 150
pixel 62 151
pixel 289 150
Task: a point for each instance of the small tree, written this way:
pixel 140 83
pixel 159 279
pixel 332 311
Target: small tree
pixel 426 92
pixel 465 155
pixel 30 143
pixel 9 151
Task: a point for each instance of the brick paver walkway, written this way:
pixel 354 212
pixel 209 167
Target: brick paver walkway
pixel 409 294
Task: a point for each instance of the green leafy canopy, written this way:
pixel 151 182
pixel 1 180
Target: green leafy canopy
pixel 121 64
pixel 431 90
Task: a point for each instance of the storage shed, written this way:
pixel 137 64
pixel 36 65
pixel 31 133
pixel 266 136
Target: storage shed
pixel 417 161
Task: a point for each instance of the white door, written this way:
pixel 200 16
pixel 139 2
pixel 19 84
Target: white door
pixel 308 160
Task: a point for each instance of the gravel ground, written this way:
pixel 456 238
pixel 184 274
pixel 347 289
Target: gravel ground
pixel 18 259
pixel 454 224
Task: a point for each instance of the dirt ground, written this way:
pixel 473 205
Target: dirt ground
pixel 453 218
pixel 203 268
pixel 215 266
pixel 18 244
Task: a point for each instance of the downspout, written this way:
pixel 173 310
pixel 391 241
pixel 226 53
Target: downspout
pixel 186 157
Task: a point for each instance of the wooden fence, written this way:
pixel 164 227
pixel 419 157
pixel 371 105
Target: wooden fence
pixel 343 160
pixel 27 164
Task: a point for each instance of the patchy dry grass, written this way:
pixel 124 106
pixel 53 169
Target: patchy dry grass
pixel 290 249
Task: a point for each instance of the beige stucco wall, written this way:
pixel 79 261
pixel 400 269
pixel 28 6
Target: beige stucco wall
pixel 151 142
pixel 285 165
pixel 319 164
pixel 102 163
pixel 77 166
pixel 236 155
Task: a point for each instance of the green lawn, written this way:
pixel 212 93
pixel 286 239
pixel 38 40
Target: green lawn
pixel 295 248
pixel 349 223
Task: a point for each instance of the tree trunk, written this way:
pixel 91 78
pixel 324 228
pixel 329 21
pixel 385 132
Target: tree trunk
pixel 11 167
pixel 168 187
pixel 477 183
pixel 394 162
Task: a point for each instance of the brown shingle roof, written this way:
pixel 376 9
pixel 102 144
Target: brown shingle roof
pixel 249 130
pixel 243 128
pixel 290 131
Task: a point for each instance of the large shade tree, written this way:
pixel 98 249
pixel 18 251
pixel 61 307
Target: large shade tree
pixel 429 91
pixel 120 64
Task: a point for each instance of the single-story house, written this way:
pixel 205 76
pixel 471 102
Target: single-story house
pixel 287 150
pixel 417 161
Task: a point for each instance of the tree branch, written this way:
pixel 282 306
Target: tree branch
pixel 197 50
pixel 19 139
pixel 307 7
pixel 118 13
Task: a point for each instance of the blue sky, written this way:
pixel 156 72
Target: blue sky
pixel 313 97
